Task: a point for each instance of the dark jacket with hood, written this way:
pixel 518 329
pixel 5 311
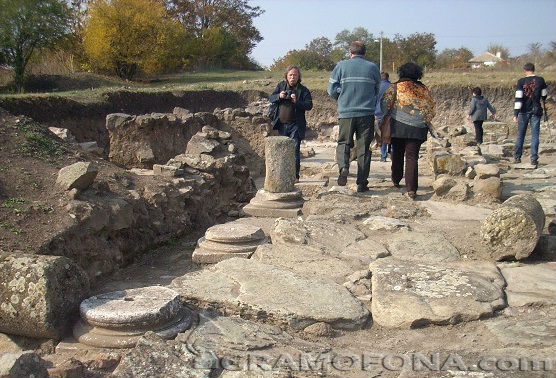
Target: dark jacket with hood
pixel 304 103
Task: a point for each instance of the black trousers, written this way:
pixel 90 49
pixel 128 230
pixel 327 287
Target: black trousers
pixel 408 148
pixel 478 131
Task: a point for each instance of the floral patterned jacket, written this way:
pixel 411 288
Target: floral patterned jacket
pixel 411 106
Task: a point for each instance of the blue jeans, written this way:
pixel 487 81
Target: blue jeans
pixel 292 131
pixel 522 123
pixel 384 149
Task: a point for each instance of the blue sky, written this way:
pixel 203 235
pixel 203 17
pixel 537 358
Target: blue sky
pixel 291 24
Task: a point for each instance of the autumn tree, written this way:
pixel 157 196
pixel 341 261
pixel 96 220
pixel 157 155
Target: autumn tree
pixel 345 38
pixel 123 36
pixel 232 17
pixel 27 26
pixel 419 48
pixel 304 59
pixel 321 46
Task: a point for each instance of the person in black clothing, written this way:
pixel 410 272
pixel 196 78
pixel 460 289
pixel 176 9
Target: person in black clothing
pixel 529 92
pixel 293 99
pixel 478 113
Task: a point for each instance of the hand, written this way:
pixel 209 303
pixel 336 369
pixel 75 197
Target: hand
pixel 515 119
pixel 494 117
pixel 294 98
pixel 282 94
pixel 468 116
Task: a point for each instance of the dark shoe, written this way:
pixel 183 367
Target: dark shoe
pixel 535 164
pixel 517 160
pixel 383 160
pixel 396 184
pixel 362 188
pixel 412 195
pixel 343 177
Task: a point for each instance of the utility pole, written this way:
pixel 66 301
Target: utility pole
pixel 381 51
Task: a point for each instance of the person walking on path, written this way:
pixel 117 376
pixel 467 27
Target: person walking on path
pixel 412 109
pixel 478 113
pixel 528 109
pixel 379 113
pixel 354 84
pixel 293 100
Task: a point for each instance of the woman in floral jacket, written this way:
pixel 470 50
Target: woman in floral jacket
pixel 412 109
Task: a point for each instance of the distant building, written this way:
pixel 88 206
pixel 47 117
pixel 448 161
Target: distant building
pixel 487 59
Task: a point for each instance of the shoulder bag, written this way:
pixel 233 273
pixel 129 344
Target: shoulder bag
pixel 383 134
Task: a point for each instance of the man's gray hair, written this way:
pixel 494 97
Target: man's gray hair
pixel 292 67
pixel 357 48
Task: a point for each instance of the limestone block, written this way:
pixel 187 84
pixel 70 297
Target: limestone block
pixel 453 165
pixel 490 188
pixel 443 184
pixel 39 295
pixel 199 144
pixel 63 134
pixel 280 164
pixel 421 247
pixel 410 294
pixel 167 170
pixel 513 229
pixel 79 175
pixel 271 293
pixel 22 365
pixel 484 171
pixel 459 192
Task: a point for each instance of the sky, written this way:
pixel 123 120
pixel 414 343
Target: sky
pixel 291 24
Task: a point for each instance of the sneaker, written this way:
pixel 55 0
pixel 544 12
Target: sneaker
pixel 517 160
pixel 362 188
pixel 343 177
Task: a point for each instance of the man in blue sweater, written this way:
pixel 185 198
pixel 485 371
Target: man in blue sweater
pixel 354 84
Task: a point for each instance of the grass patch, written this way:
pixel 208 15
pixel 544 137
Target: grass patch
pixel 10 227
pixel 12 202
pixel 39 142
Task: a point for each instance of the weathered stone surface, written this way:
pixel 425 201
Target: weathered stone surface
pixel 227 336
pixel 443 184
pixel 332 236
pixel 364 251
pixel 421 247
pixel 484 171
pixel 459 192
pixel 280 164
pixel 228 240
pixel 118 319
pixel 378 222
pixel 154 357
pixel 453 165
pixel 275 205
pixel 525 330
pixel 306 260
pixel 199 144
pixel 63 134
pixel 490 188
pixel 530 284
pixel 250 287
pixel 79 175
pixel 514 228
pixel 167 170
pixel 39 295
pixel 409 294
pixel 22 365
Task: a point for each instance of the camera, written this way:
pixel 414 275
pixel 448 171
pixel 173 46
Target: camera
pixel 289 94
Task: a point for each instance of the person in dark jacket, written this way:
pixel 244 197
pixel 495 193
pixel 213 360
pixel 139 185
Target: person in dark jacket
pixel 293 100
pixel 530 90
pixel 412 109
pixel 478 113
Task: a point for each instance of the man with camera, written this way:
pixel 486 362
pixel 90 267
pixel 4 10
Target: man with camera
pixel 354 83
pixel 293 100
pixel 527 108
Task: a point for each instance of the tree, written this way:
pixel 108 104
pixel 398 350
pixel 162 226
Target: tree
pixel 419 48
pixel 29 25
pixel 305 60
pixel 535 51
pixel 123 36
pixel 234 17
pixel 495 48
pixel 321 46
pixel 454 58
